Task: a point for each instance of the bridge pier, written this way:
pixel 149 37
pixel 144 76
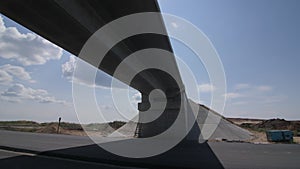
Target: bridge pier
pixel 164 116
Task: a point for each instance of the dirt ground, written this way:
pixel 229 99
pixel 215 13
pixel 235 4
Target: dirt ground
pixel 256 126
pixel 240 121
pixel 258 137
pixel 261 138
pixel 297 140
pixel 53 129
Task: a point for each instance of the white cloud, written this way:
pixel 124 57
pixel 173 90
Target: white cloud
pixel 264 88
pixel 18 92
pixel 2 26
pixel 68 68
pixel 27 49
pixel 250 91
pixel 240 103
pixel 233 95
pixel 242 86
pixel 206 88
pixel 15 71
pixel 274 99
pixel 5 78
pixel 254 94
pixel 102 80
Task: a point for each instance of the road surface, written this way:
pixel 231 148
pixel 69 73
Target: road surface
pixel 14 160
pixel 26 150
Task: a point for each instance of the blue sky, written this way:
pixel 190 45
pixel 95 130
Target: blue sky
pixel 258 42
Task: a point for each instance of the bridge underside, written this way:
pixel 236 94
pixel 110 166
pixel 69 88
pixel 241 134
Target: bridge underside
pixel 69 24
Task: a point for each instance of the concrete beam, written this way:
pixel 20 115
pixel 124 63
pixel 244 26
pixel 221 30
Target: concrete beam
pixel 69 24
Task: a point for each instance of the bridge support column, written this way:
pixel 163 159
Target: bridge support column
pixel 165 117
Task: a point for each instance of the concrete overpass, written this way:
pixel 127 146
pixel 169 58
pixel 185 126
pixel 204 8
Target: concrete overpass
pixel 69 24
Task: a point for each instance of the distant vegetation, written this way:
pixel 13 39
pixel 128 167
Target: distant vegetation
pixel 274 124
pixel 64 125
pixel 19 123
pixel 51 127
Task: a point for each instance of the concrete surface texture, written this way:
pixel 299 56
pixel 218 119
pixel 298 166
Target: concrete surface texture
pixel 225 129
